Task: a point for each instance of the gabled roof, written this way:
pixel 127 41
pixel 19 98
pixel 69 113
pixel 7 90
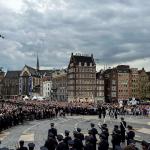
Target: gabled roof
pixel 12 74
pixel 100 74
pixel 46 72
pixel 148 73
pixel 33 71
pixel 76 59
pixel 123 68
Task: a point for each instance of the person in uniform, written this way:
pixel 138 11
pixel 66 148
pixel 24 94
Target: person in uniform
pixel 22 147
pixel 104 112
pixel 81 135
pixel 31 146
pixel 105 131
pixel 71 145
pixel 130 134
pixel 52 130
pixel 103 144
pixel 88 143
pixel 61 144
pixel 92 139
pixel 116 138
pixel 78 145
pixel 67 138
pixel 122 129
pixel 94 133
pixel 51 142
pixel 100 112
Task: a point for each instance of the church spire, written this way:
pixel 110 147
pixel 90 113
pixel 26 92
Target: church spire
pixel 37 65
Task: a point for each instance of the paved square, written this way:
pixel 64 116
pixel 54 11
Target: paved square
pixel 28 137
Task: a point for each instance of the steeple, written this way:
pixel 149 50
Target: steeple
pixel 37 65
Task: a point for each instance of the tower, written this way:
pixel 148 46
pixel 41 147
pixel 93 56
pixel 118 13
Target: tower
pixel 37 65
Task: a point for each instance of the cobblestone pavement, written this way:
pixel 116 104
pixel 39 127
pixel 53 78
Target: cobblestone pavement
pixel 36 131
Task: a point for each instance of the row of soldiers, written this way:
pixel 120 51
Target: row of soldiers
pixel 80 142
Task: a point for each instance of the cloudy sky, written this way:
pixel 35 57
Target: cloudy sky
pixel 115 31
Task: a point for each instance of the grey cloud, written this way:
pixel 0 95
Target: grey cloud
pixel 114 31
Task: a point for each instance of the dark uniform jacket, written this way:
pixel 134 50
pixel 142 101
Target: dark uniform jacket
pixel 81 136
pixel 130 136
pixel 78 145
pixel 103 145
pixel 51 144
pixel 22 148
pixel 88 146
pixel 122 126
pixel 66 139
pixel 61 146
pixel 53 131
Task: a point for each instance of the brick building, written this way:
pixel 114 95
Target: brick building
pixel 143 80
pixel 10 88
pixel 110 88
pixel 134 83
pixel 117 83
pixel 100 87
pixel 59 85
pixel 81 78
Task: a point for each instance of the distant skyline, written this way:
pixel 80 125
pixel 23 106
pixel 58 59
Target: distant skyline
pixel 116 32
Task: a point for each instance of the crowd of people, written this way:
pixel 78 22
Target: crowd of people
pixel 14 112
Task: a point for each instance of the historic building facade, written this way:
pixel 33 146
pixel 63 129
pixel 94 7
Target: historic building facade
pixel 46 83
pixel 59 85
pixel 81 78
pixel 47 89
pixel 10 88
pixel 134 83
pixel 100 87
pixel 110 88
pixel 29 81
pixel 123 82
pixel 2 75
pixel 143 80
pixel 117 83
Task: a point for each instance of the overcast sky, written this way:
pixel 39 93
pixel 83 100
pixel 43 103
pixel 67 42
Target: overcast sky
pixel 115 31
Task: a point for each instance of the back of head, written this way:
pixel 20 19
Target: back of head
pixel 122 119
pixel 31 146
pixel 78 129
pixel 75 134
pixel 92 125
pixel 59 137
pixel 21 143
pixel 52 125
pixel 129 127
pixel 90 132
pixel 67 132
pixel 116 126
